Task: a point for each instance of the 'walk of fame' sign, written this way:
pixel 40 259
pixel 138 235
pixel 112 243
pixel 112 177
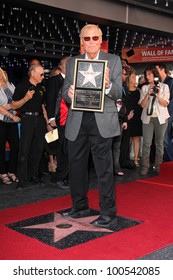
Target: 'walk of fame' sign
pixel 89 85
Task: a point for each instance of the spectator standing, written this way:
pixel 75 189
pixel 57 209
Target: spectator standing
pixel 135 122
pixel 29 98
pixel 8 131
pixel 55 71
pixel 57 111
pixel 154 100
pixel 168 146
pixel 125 161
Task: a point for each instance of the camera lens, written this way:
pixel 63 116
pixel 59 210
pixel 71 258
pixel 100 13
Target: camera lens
pixel 155 90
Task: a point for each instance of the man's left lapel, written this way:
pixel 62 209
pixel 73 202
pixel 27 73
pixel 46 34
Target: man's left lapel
pixel 102 55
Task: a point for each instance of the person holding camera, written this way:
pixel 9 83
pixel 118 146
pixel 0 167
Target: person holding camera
pixel 154 99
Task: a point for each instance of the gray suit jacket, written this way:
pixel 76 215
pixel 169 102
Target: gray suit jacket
pixel 107 122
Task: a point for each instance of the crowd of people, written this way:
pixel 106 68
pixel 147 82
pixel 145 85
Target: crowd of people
pixel 135 115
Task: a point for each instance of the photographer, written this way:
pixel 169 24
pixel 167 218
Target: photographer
pixel 154 99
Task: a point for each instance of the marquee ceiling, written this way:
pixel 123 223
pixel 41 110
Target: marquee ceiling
pixel 163 6
pixel 33 30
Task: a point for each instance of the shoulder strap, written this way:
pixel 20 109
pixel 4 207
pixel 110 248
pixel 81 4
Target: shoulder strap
pixel 151 104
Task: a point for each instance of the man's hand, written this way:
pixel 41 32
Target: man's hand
pixel 107 78
pixel 51 125
pixel 130 115
pixel 124 126
pixel 16 118
pixel 49 128
pixel 71 91
pixel 7 106
pixel 29 95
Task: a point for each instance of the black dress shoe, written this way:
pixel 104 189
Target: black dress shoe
pixel 36 181
pixel 66 182
pixel 128 165
pixel 104 221
pixel 76 213
pixel 19 186
pixel 62 185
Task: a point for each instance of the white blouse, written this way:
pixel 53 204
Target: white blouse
pixel 160 111
pixel 3 97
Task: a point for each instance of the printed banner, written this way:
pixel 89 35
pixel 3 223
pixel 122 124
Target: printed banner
pixel 144 55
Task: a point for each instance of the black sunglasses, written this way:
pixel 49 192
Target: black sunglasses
pixel 94 38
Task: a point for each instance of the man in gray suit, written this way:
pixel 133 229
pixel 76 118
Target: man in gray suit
pixel 93 130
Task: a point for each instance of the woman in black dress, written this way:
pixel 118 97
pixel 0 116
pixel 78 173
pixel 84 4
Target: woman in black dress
pixel 135 122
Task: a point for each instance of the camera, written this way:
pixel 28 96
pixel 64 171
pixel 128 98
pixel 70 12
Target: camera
pixel 156 84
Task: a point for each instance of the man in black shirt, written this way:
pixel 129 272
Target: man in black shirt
pixel 32 125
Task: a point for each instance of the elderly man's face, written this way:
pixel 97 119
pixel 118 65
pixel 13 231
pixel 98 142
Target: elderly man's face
pixel 38 74
pixel 91 40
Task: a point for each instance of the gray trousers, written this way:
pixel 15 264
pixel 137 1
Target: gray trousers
pixel 154 127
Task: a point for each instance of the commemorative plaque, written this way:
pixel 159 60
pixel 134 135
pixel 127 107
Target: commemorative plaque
pixel 89 85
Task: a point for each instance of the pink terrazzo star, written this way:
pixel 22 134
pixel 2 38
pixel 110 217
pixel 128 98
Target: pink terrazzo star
pixel 65 226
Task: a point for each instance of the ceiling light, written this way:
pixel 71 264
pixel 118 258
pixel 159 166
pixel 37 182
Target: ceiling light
pixel 16 8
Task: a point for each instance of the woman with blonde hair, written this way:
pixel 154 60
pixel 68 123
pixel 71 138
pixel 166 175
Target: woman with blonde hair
pixel 8 131
pixel 135 122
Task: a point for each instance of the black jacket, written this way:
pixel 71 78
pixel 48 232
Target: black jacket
pixel 53 89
